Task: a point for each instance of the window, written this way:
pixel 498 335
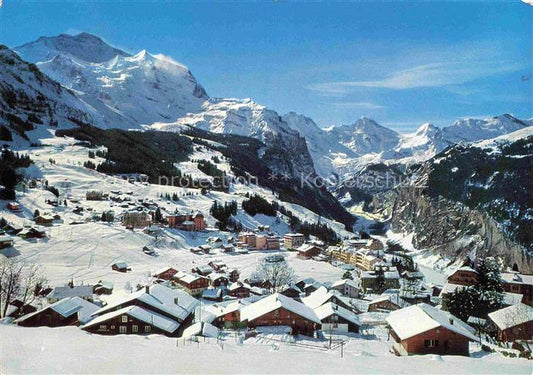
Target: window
pixel 134 329
pixel 431 343
pixel 113 327
pixel 147 329
pixel 123 329
pixel 124 318
pixel 102 327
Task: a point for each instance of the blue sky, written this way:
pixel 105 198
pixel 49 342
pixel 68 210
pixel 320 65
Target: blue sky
pixel 401 63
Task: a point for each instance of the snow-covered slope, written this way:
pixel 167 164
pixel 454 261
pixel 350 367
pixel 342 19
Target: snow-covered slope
pixel 84 46
pixel 232 116
pixel 30 99
pixel 127 90
pixel 366 136
pixel 248 118
pixel 373 143
pixel 322 145
pixel 471 129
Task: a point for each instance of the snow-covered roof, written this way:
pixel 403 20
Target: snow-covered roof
pixel 6 239
pixel 391 274
pixel 320 297
pixel 307 246
pixel 201 329
pixel 216 276
pixel 512 298
pixel 476 320
pixel 512 316
pixel 211 293
pixel 414 320
pixel 393 298
pixel 450 288
pixel 274 302
pixel 189 278
pixel 140 313
pixel 163 270
pixel 105 284
pixel 463 268
pixel 330 308
pixel 238 285
pixel 67 307
pixel 294 235
pixel 60 292
pixel 517 278
pixel 121 264
pixel 171 301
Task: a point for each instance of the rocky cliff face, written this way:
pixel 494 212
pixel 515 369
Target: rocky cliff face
pixel 450 228
pixel 472 200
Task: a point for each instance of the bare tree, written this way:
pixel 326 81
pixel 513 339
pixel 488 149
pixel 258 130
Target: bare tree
pixel 18 280
pixel 279 274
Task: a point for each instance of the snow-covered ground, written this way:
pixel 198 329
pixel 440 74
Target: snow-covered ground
pixel 36 351
pixel 85 252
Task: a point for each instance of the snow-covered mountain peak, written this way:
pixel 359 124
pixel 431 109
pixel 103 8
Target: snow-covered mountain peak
pixel 472 129
pixel 142 55
pixel 366 136
pixel 84 46
pixel 365 125
pixel 426 129
pixel 129 91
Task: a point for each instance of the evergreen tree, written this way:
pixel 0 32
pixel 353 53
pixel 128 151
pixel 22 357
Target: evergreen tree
pixel 158 217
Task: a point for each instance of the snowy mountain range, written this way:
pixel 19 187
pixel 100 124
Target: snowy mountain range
pixel 127 90
pixel 30 99
pixel 155 92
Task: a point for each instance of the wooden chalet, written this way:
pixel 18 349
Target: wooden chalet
pixel 233 275
pixel 13 206
pixel 6 241
pixel 322 296
pixel 424 329
pixel 44 220
pixel 153 309
pixel 228 316
pixel 309 250
pixel 278 310
pixel 212 294
pixel 166 273
pixel 60 292
pixel 335 319
pixel 192 283
pixel 463 276
pixel 519 283
pixel 217 265
pixel 66 312
pixel 187 222
pixel 202 270
pixel 32 233
pixel 513 322
pixel 239 290
pixel 120 266
pixel 385 303
pixel 218 280
pixel 291 291
pixel 103 287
